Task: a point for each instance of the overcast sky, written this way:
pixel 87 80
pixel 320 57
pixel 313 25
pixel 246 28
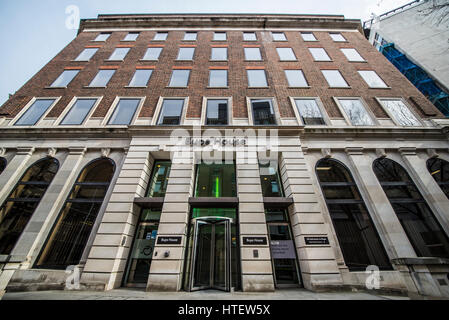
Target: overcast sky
pixel 33 32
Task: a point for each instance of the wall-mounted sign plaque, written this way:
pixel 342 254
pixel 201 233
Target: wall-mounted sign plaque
pixel 316 240
pixel 169 240
pixel 254 241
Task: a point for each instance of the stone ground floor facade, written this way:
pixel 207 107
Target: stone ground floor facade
pixel 227 241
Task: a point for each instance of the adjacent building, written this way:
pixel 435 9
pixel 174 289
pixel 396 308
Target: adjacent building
pixel 235 152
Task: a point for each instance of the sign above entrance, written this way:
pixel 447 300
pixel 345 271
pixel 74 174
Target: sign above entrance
pixel 316 240
pixel 216 141
pixel 169 240
pixel 254 241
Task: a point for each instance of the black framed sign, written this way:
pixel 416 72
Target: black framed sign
pixel 316 240
pixel 254 241
pixel 169 240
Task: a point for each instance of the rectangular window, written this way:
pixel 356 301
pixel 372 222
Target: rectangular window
pixel 400 112
pixel 319 54
pixel 309 111
pixel 270 180
pixel 372 79
pixel 263 112
pixel 35 112
pixel 356 112
pixel 337 37
pixel 64 79
pixel 86 54
pixel 296 78
pixel 286 54
pixel 160 36
pixel 152 53
pixel 278 36
pixel 186 53
pixel 159 179
pixel 334 78
pixel 171 112
pixel 219 36
pixel 219 54
pixel 252 54
pixel 257 78
pixel 352 55
pixel 102 78
pixel 140 78
pixel 78 112
pixel 217 112
pixel 119 54
pixel 218 78
pixel 179 78
pixel 190 36
pixel 102 37
pixel 124 112
pixel 215 180
pixel 308 36
pixel 132 36
pixel 249 36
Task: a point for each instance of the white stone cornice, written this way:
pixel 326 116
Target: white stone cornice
pixel 409 151
pixel 27 151
pixel 77 150
pixel 354 150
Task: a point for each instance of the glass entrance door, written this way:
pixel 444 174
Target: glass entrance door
pixel 211 262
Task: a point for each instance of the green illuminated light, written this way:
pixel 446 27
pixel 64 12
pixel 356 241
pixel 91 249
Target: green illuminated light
pixel 217 187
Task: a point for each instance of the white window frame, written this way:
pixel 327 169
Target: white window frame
pixel 64 87
pixel 244 54
pixel 417 116
pixel 342 51
pixel 369 86
pixel 243 36
pixel 285 36
pixel 204 109
pixel 179 50
pixel 98 70
pixel 315 59
pixel 344 39
pixel 70 106
pixel 247 78
pixel 171 76
pixel 75 60
pixel 320 104
pixel 138 35
pixel 309 32
pixel 114 106
pixel 288 83
pixel 275 108
pixel 287 60
pixel 365 105
pixel 149 79
pixel 28 105
pixel 129 49
pixel 109 33
pixel 158 109
pixel 338 87
pixel 196 37
pixel 161 47
pixel 227 53
pixel 227 78
pixel 226 36
pixel 157 32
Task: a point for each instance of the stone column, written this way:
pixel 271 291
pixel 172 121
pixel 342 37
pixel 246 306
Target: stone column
pixel 109 253
pixel 257 272
pixel 318 264
pixel 166 272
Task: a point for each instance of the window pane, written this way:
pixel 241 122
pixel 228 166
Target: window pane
pixel 249 36
pixel 337 37
pixel 334 78
pixel 132 36
pixel 296 78
pixel 3 163
pixel 400 112
pixel 119 54
pixel 263 112
pixel 319 54
pixel 219 36
pixel 308 36
pixel 217 112
pixel 124 112
pixel 102 78
pixel 190 36
pixel 160 36
pixel 286 54
pixel 86 54
pixel 152 53
pixel 356 112
pixel 186 53
pixel 278 36
pixel 102 37
pixel 439 170
pixel 159 179
pixel 352 54
pixel 34 112
pixel 252 54
pixel 218 78
pixel 179 78
pixel 171 111
pixel 270 181
pixel 372 79
pixel 79 111
pixel 257 78
pixel 65 78
pixel 309 111
pixel 140 78
pixel 219 54
pixel 215 180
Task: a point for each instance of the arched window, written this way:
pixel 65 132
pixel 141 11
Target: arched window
pixel 69 236
pixel 423 230
pixel 3 163
pixel 439 169
pixel 18 208
pixel 356 233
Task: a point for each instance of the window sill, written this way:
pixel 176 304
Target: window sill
pixel 188 60
pixel 293 87
pixel 143 60
pixel 117 60
pixel 138 87
pixel 188 40
pixel 364 61
pixel 55 87
pixel 254 60
pixel 342 41
pixel 208 87
pixel 310 40
pixel 348 87
pixel 79 60
pixel 323 60
pixel 87 87
pixel 280 40
pixel 258 87
pixel 288 60
pixel 170 87
pixel 158 40
pixel 128 40
pixel 218 60
pixel 382 88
